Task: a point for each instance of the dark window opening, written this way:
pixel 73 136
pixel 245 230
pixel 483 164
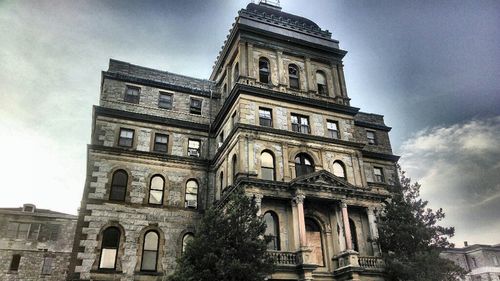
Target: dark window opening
pixel 132 94
pixel 303 164
pixel 161 143
pixel 272 231
pixel 109 248
pixel 379 174
pixel 118 186
pixel 264 71
pixel 265 117
pixel 234 120
pixel 165 100
pixel 14 263
pixel 293 76
pixel 300 124
pixel 354 236
pixel 235 168
pixel 126 138
pixel 321 83
pixel 195 106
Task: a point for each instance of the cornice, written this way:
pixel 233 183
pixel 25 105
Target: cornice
pixel 148 155
pixel 133 116
pixel 372 126
pixel 157 84
pixel 381 156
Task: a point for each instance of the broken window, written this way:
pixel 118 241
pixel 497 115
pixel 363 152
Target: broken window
pixel 300 124
pixel 293 76
pixel 191 200
pixel 126 138
pixel 109 248
pixel 132 94
pixel 156 190
pixel 195 106
pixel 264 71
pixel 333 129
pixel 321 83
pixel 194 148
pixel 265 117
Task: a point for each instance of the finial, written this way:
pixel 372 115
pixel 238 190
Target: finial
pixel 274 4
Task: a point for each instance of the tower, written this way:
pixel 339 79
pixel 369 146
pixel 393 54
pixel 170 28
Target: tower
pixel 274 118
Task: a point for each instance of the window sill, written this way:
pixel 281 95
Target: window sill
pixel 150 273
pixel 106 271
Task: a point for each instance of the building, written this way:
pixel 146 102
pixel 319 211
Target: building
pixel 35 244
pixel 481 261
pixel 274 117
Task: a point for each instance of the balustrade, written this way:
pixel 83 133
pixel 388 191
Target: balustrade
pixel 284 258
pixel 371 262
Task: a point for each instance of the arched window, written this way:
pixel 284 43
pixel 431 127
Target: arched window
pixel 191 194
pixel 118 186
pixel 150 251
pixel 293 76
pixel 156 188
pixel 313 235
pixel 185 240
pixel 236 73
pixel 321 83
pixel 235 168
pixel 272 231
pixel 303 164
pixel 339 169
pixel 109 247
pixel 264 70
pixel 267 166
pixel 354 236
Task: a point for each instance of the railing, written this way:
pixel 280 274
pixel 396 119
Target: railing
pixel 371 262
pixel 284 258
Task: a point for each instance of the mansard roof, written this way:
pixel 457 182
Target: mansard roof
pixel 143 75
pixel 268 13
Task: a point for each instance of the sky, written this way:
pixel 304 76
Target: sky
pixel 430 67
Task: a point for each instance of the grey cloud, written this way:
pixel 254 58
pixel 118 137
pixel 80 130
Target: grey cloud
pixel 459 169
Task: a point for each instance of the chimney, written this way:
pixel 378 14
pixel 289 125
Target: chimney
pixel 466 244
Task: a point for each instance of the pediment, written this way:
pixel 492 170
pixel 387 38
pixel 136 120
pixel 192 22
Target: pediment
pixel 321 178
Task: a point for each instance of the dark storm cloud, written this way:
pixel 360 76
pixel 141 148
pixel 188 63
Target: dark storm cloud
pixel 422 64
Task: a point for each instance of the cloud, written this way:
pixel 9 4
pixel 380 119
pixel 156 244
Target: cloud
pixel 459 169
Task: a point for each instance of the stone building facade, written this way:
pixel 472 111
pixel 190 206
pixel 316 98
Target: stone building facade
pixel 35 244
pixel 481 261
pixel 274 117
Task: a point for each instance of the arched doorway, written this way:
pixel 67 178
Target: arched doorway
pixel 313 235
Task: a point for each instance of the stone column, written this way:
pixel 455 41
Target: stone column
pixel 336 81
pixel 299 201
pixel 311 87
pixel 279 68
pixel 250 64
pixel 258 203
pixel 343 88
pixel 347 228
pixel 243 59
pixel 370 212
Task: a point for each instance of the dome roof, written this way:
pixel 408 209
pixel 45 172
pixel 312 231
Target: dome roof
pixel 276 13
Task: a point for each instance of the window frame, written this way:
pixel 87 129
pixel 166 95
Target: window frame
pixel 298 127
pixel 186 204
pixel 156 251
pixel 321 88
pixel 379 178
pixel 135 99
pixel 272 169
pixel 334 134
pixel 184 241
pixel 342 166
pixel 151 189
pixel 193 108
pixel 163 104
pixel 263 120
pixel 115 248
pixel 275 239
pixel 114 186
pixel 302 166
pixel 121 139
pixel 293 77
pixel 263 73
pixel 193 149
pixel 156 143
pixel 371 140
